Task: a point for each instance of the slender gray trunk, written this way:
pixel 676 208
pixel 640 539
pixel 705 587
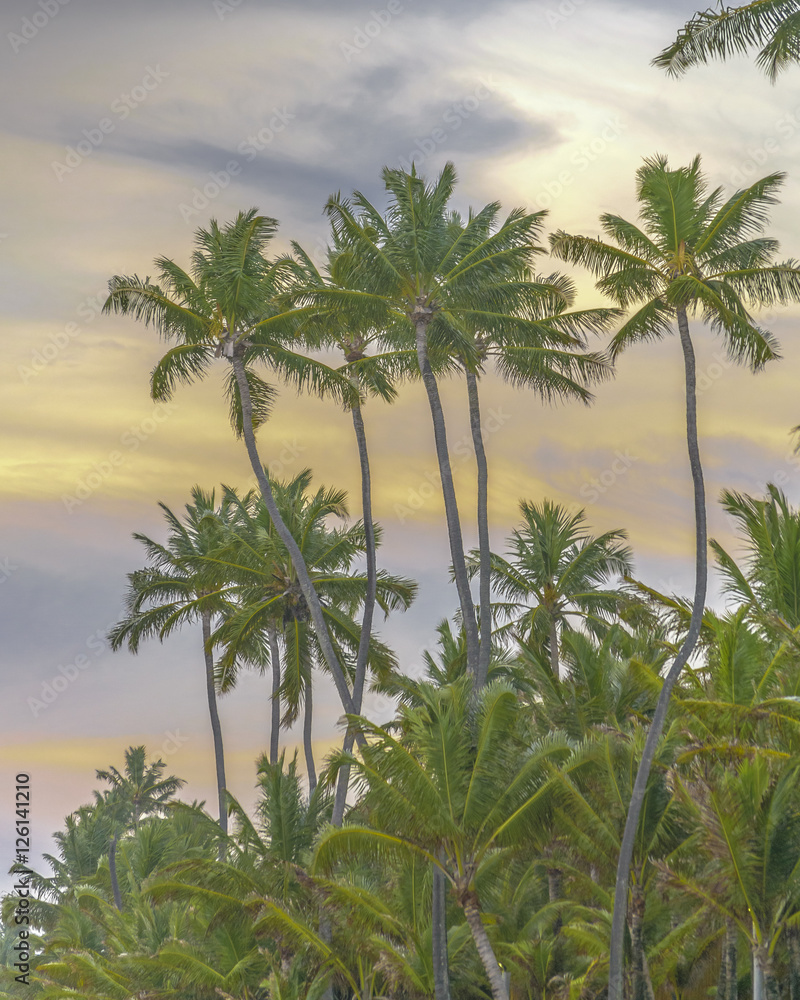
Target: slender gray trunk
pixel 638 988
pixel 441 965
pixel 369 608
pixel 216 730
pixel 793 941
pixel 657 724
pixel 485 950
pixel 112 870
pixel 275 713
pixel 727 984
pixel 554 893
pixel 765 985
pixel 421 318
pixel 484 548
pixel 306 585
pixel 308 749
pixel 553 650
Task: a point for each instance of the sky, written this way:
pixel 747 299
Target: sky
pixel 125 127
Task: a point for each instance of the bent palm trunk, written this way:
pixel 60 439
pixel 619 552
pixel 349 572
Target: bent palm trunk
pixel 306 585
pixel 112 871
pixel 369 607
pixel 484 946
pixel 216 730
pixel 421 319
pixel 484 549
pixel 308 748
pixel 657 724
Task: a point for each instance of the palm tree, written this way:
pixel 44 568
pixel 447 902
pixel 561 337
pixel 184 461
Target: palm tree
pixel 556 570
pixel 772 26
pixel 176 588
pixel 140 789
pixel 226 308
pixel 695 253
pixel 251 554
pixel 461 790
pixel 438 282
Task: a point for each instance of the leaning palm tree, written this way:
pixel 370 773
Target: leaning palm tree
pixel 176 588
pixel 226 308
pixel 695 253
pixel 771 26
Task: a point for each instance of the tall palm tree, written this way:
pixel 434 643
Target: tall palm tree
pixel 556 570
pixel 176 588
pixel 460 789
pixel 251 554
pixel 695 253
pixel 436 282
pixel 140 789
pixel 772 26
pixel 226 308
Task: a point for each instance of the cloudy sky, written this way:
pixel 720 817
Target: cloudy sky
pixel 126 126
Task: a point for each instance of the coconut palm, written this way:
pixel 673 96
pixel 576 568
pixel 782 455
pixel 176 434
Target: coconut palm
pixel 140 789
pixel 555 571
pixel 226 308
pixel 772 26
pixel 176 588
pixel 270 600
pixel 694 254
pixel 460 789
pixel 437 282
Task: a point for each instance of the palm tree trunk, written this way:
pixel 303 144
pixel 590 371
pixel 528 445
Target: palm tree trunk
pixel 657 724
pixel 793 941
pixel 553 650
pixel 484 946
pixel 306 586
pixel 369 607
pixel 421 319
pixel 112 870
pixel 216 730
pixel 275 721
pixel 638 991
pixel 441 964
pixel 308 749
pixel 484 549
pixel 728 981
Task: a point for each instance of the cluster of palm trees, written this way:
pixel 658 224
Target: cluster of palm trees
pixel 517 795
pixel 588 771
